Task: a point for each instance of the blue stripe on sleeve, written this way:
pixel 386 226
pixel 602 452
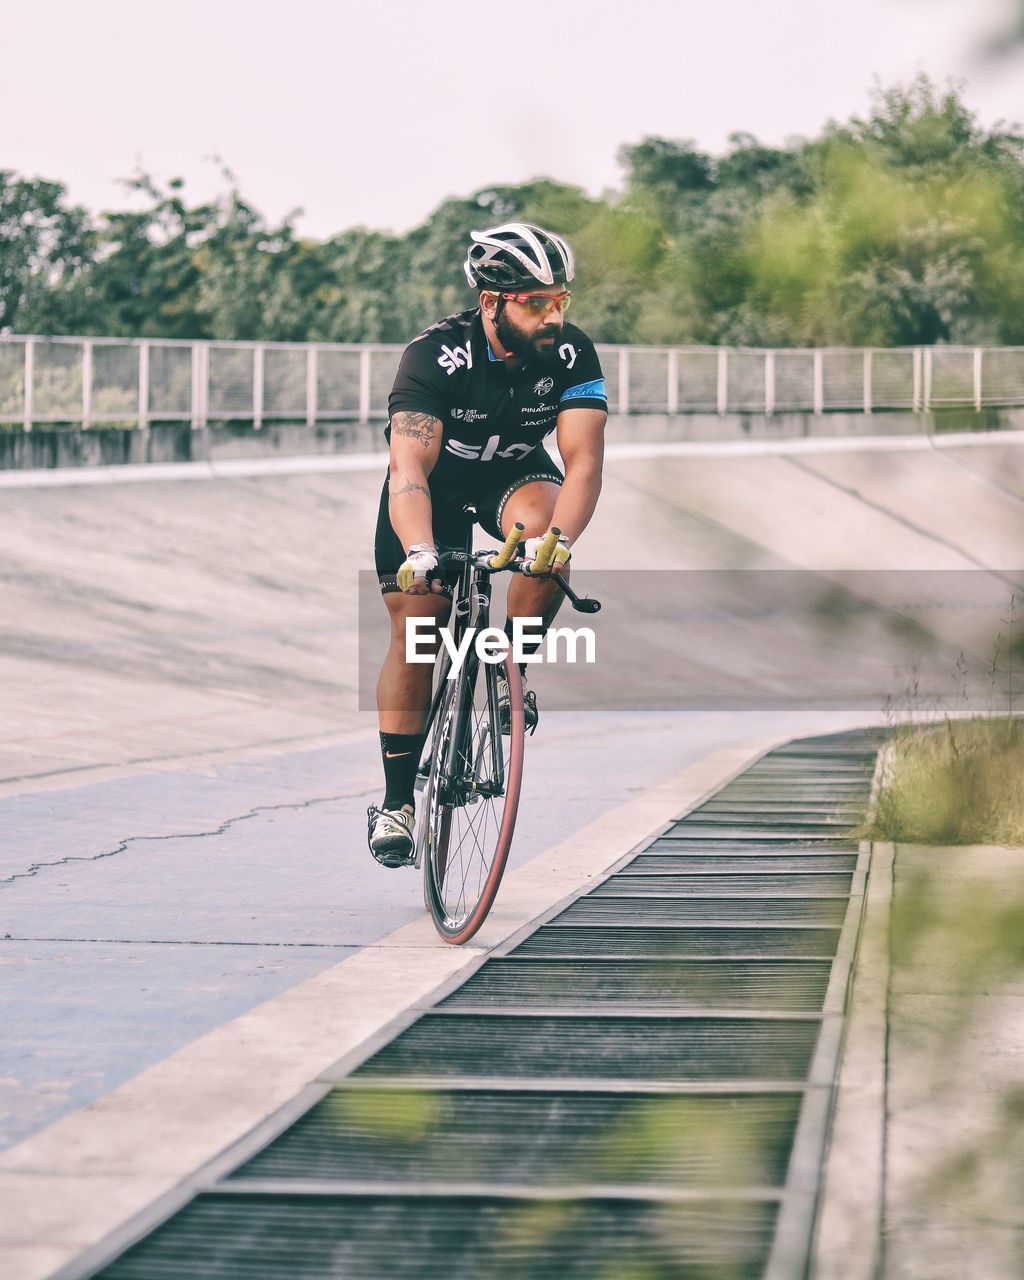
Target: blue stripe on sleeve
pixel 586 391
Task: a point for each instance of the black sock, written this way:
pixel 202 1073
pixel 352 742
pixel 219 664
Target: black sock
pixel 401 755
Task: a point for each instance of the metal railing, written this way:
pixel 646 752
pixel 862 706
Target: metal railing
pixel 101 381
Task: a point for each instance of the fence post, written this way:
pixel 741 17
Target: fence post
pixel 194 398
pixel 143 414
pixel 311 389
pixel 623 404
pixel 364 384
pixel 200 385
pixel 977 379
pixel 204 384
pixel 769 383
pixel 257 387
pixel 927 379
pixel 916 403
pixel 723 380
pixel 672 399
pixel 30 377
pixel 86 383
pixel 868 400
pixel 819 382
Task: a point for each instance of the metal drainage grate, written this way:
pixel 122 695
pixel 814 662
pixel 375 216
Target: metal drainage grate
pixel 784 811
pixel 378 1237
pixel 797 884
pixel 658 863
pixel 804 770
pixel 643 940
pixel 544 1139
pixel 767 834
pixel 795 785
pixel 620 1095
pixel 678 984
pixel 677 1048
pixel 786 795
pixel 607 910
pixel 767 830
pixel 677 842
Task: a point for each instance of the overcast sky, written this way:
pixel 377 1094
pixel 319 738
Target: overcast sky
pixel 374 112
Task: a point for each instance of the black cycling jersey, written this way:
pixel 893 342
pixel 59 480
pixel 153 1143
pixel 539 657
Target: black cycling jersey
pixel 449 522
pixel 491 415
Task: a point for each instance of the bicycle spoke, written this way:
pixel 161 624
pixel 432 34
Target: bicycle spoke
pixel 470 822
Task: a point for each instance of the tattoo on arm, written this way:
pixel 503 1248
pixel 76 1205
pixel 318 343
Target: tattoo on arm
pixel 410 487
pixel 420 426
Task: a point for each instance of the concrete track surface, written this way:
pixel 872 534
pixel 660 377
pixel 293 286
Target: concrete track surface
pixel 184 761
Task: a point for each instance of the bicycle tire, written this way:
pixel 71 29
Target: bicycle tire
pixel 465 835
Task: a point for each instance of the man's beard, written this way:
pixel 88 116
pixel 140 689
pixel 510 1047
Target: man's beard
pixel 527 348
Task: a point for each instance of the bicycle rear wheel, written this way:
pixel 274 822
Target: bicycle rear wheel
pixel 471 798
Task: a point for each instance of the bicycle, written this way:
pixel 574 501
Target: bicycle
pixel 472 770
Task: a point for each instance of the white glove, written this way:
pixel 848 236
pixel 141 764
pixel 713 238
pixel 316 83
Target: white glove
pixel 415 571
pixel 560 557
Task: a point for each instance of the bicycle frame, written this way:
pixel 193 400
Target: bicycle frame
pixel 473 758
pixel 471 606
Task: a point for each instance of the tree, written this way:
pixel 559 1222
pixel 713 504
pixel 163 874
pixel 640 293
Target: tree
pixel 902 226
pixel 44 244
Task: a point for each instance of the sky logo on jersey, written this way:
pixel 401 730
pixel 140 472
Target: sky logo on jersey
pixel 594 390
pixel 543 385
pixel 485 452
pixel 452 358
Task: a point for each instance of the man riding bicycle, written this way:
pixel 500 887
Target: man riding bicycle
pixel 474 398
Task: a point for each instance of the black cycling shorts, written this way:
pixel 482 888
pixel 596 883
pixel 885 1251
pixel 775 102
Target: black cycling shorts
pixel 450 522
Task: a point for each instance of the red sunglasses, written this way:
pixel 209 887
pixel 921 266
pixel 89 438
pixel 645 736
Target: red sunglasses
pixel 539 302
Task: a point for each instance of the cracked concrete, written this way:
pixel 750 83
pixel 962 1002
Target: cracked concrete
pixel 226 825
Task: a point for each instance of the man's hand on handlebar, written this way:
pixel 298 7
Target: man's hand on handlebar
pixel 547 555
pixel 417 574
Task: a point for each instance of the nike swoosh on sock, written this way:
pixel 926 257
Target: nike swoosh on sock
pixel 396 755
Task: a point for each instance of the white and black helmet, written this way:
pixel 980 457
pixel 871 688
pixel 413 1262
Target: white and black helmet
pixel 518 255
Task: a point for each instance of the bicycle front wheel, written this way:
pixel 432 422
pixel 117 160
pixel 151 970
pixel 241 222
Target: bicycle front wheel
pixel 471 798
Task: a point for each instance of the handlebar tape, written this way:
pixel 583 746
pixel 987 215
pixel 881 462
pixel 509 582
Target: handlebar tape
pixel 505 555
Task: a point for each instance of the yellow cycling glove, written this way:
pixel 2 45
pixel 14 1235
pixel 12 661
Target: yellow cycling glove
pixel 415 571
pixel 560 555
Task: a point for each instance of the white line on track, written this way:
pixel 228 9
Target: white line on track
pixel 809 444
pixel 235 468
pixel 227 469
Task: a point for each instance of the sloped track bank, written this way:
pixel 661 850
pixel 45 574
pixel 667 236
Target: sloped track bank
pixel 640 1086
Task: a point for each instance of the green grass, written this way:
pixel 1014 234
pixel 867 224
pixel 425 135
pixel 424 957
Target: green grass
pixel 957 932
pixel 957 783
